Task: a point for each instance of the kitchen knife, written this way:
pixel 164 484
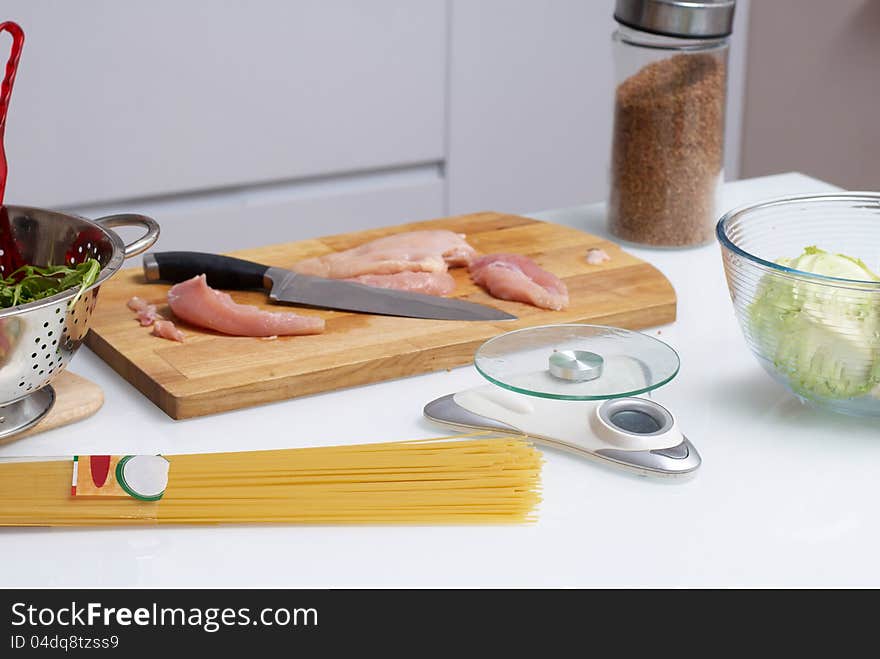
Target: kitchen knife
pixel 293 288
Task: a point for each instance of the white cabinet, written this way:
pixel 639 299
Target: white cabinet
pixel 119 100
pixel 530 104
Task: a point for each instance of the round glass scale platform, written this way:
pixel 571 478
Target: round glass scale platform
pixel 584 388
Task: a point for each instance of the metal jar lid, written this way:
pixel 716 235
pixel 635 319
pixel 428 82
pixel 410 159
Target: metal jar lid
pixel 688 19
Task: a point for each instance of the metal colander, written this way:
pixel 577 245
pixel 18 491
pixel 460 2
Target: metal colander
pixel 37 340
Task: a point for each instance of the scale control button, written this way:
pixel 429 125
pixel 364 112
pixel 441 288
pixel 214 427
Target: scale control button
pixel 679 452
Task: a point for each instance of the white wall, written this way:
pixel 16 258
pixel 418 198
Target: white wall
pixel 242 123
pixel 813 96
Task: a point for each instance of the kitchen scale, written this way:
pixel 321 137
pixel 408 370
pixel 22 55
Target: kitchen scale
pixel 582 388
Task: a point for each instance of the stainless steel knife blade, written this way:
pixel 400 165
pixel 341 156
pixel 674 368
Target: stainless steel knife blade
pixel 294 288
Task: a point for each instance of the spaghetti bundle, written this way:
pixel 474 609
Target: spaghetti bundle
pixel 449 481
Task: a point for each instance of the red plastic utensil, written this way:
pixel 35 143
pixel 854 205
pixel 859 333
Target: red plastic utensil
pixel 17 34
pixel 10 257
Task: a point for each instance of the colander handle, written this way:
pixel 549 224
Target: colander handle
pixel 143 243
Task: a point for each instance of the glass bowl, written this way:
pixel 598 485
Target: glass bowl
pixel 817 335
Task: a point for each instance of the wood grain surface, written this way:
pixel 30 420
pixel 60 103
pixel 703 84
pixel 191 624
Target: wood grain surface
pixel 212 373
pixel 76 398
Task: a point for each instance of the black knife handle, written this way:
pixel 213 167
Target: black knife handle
pixel 220 271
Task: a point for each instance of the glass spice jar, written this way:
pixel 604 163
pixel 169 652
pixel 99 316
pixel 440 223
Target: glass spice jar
pixel 668 139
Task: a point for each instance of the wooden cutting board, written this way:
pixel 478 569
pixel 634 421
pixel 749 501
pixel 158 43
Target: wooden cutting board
pixel 212 373
pixel 76 398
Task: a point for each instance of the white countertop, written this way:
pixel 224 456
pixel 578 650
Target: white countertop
pixel 786 495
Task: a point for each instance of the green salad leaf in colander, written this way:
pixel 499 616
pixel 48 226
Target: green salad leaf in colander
pixel 30 282
pixel 825 338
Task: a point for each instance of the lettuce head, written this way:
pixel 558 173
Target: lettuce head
pixel 823 336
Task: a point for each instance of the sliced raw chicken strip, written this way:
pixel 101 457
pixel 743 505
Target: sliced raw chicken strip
pixel 427 283
pixel 167 330
pixel 146 312
pixel 518 278
pixel 196 303
pixel 411 251
pixel 148 316
pixel 137 304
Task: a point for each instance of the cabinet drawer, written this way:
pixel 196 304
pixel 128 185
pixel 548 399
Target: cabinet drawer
pixel 230 220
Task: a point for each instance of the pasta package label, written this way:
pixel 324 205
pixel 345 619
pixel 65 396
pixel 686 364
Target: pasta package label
pixel 142 477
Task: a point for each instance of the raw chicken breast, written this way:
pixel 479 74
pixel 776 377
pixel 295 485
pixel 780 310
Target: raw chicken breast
pixel 167 330
pixel 427 283
pixel 412 251
pixel 518 278
pixel 196 303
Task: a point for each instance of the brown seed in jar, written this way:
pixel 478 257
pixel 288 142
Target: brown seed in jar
pixel 667 151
